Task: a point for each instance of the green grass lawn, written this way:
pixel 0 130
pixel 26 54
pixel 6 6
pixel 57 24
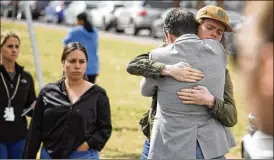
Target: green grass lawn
pixel 127 105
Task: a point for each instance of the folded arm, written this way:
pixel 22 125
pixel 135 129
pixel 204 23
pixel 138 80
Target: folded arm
pixel 31 96
pixel 99 138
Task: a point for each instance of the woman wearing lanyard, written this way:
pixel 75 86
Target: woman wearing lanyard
pixel 17 93
pixel 72 115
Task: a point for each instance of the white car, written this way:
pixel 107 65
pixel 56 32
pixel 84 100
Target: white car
pixel 76 7
pixel 103 15
pixel 139 15
pixel 258 146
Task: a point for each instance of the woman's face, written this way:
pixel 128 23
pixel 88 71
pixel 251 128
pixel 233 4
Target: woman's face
pixel 79 22
pixel 75 65
pixel 211 29
pixel 10 49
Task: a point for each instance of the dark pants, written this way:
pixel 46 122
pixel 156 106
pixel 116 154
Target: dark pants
pixel 89 154
pixel 199 153
pixel 12 150
pixel 92 78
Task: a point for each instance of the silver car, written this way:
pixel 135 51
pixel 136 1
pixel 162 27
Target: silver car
pixel 139 15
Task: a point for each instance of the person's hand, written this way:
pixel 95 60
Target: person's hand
pixel 182 72
pixel 83 147
pixel 198 95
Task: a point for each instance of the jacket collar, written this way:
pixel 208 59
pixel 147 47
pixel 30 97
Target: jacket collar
pixel 186 36
pixel 61 84
pixel 18 68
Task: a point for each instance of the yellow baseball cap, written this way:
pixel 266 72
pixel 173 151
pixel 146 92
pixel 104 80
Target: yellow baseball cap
pixel 215 12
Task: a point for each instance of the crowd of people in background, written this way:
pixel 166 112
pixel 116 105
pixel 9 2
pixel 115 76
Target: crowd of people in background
pixel 192 106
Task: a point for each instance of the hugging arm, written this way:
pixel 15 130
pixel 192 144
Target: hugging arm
pixel 224 111
pixel 148 87
pixel 143 66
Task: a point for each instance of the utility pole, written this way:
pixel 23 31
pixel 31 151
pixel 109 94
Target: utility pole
pixel 176 3
pixel 220 4
pixel 33 44
pixel 199 4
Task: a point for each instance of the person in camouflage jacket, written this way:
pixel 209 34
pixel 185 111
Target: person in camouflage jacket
pixel 224 111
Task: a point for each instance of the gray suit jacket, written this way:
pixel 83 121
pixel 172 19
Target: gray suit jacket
pixel 177 126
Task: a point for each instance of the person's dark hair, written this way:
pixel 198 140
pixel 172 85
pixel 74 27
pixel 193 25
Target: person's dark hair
pixel 180 21
pixel 84 16
pixel 71 47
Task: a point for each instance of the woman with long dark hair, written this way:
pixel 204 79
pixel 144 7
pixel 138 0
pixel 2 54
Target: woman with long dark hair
pixel 86 34
pixel 72 116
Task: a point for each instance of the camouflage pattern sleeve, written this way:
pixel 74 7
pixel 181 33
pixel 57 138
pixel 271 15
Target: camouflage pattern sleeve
pixel 143 66
pixel 225 111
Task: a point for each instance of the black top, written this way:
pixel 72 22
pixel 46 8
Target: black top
pixel 63 126
pixel 12 131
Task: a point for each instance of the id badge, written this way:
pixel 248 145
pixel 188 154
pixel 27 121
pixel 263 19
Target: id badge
pixel 9 114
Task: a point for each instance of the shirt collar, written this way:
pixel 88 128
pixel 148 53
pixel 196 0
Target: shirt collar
pixel 187 36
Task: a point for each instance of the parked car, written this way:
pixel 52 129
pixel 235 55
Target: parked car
pixel 76 7
pixel 139 15
pixel 37 9
pixel 9 8
pixel 103 15
pixel 4 6
pixel 54 12
pixel 158 24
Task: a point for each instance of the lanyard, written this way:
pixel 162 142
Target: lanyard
pixel 7 90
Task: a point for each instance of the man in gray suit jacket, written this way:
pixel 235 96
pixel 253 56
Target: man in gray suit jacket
pixel 179 127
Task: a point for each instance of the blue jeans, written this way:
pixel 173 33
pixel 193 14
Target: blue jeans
pixel 89 154
pixel 199 153
pixel 145 150
pixel 12 150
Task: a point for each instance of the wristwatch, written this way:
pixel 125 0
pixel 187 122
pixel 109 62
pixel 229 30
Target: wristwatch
pixel 251 127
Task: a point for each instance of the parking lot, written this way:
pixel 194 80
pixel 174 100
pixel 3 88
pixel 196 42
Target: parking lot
pixel 133 20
